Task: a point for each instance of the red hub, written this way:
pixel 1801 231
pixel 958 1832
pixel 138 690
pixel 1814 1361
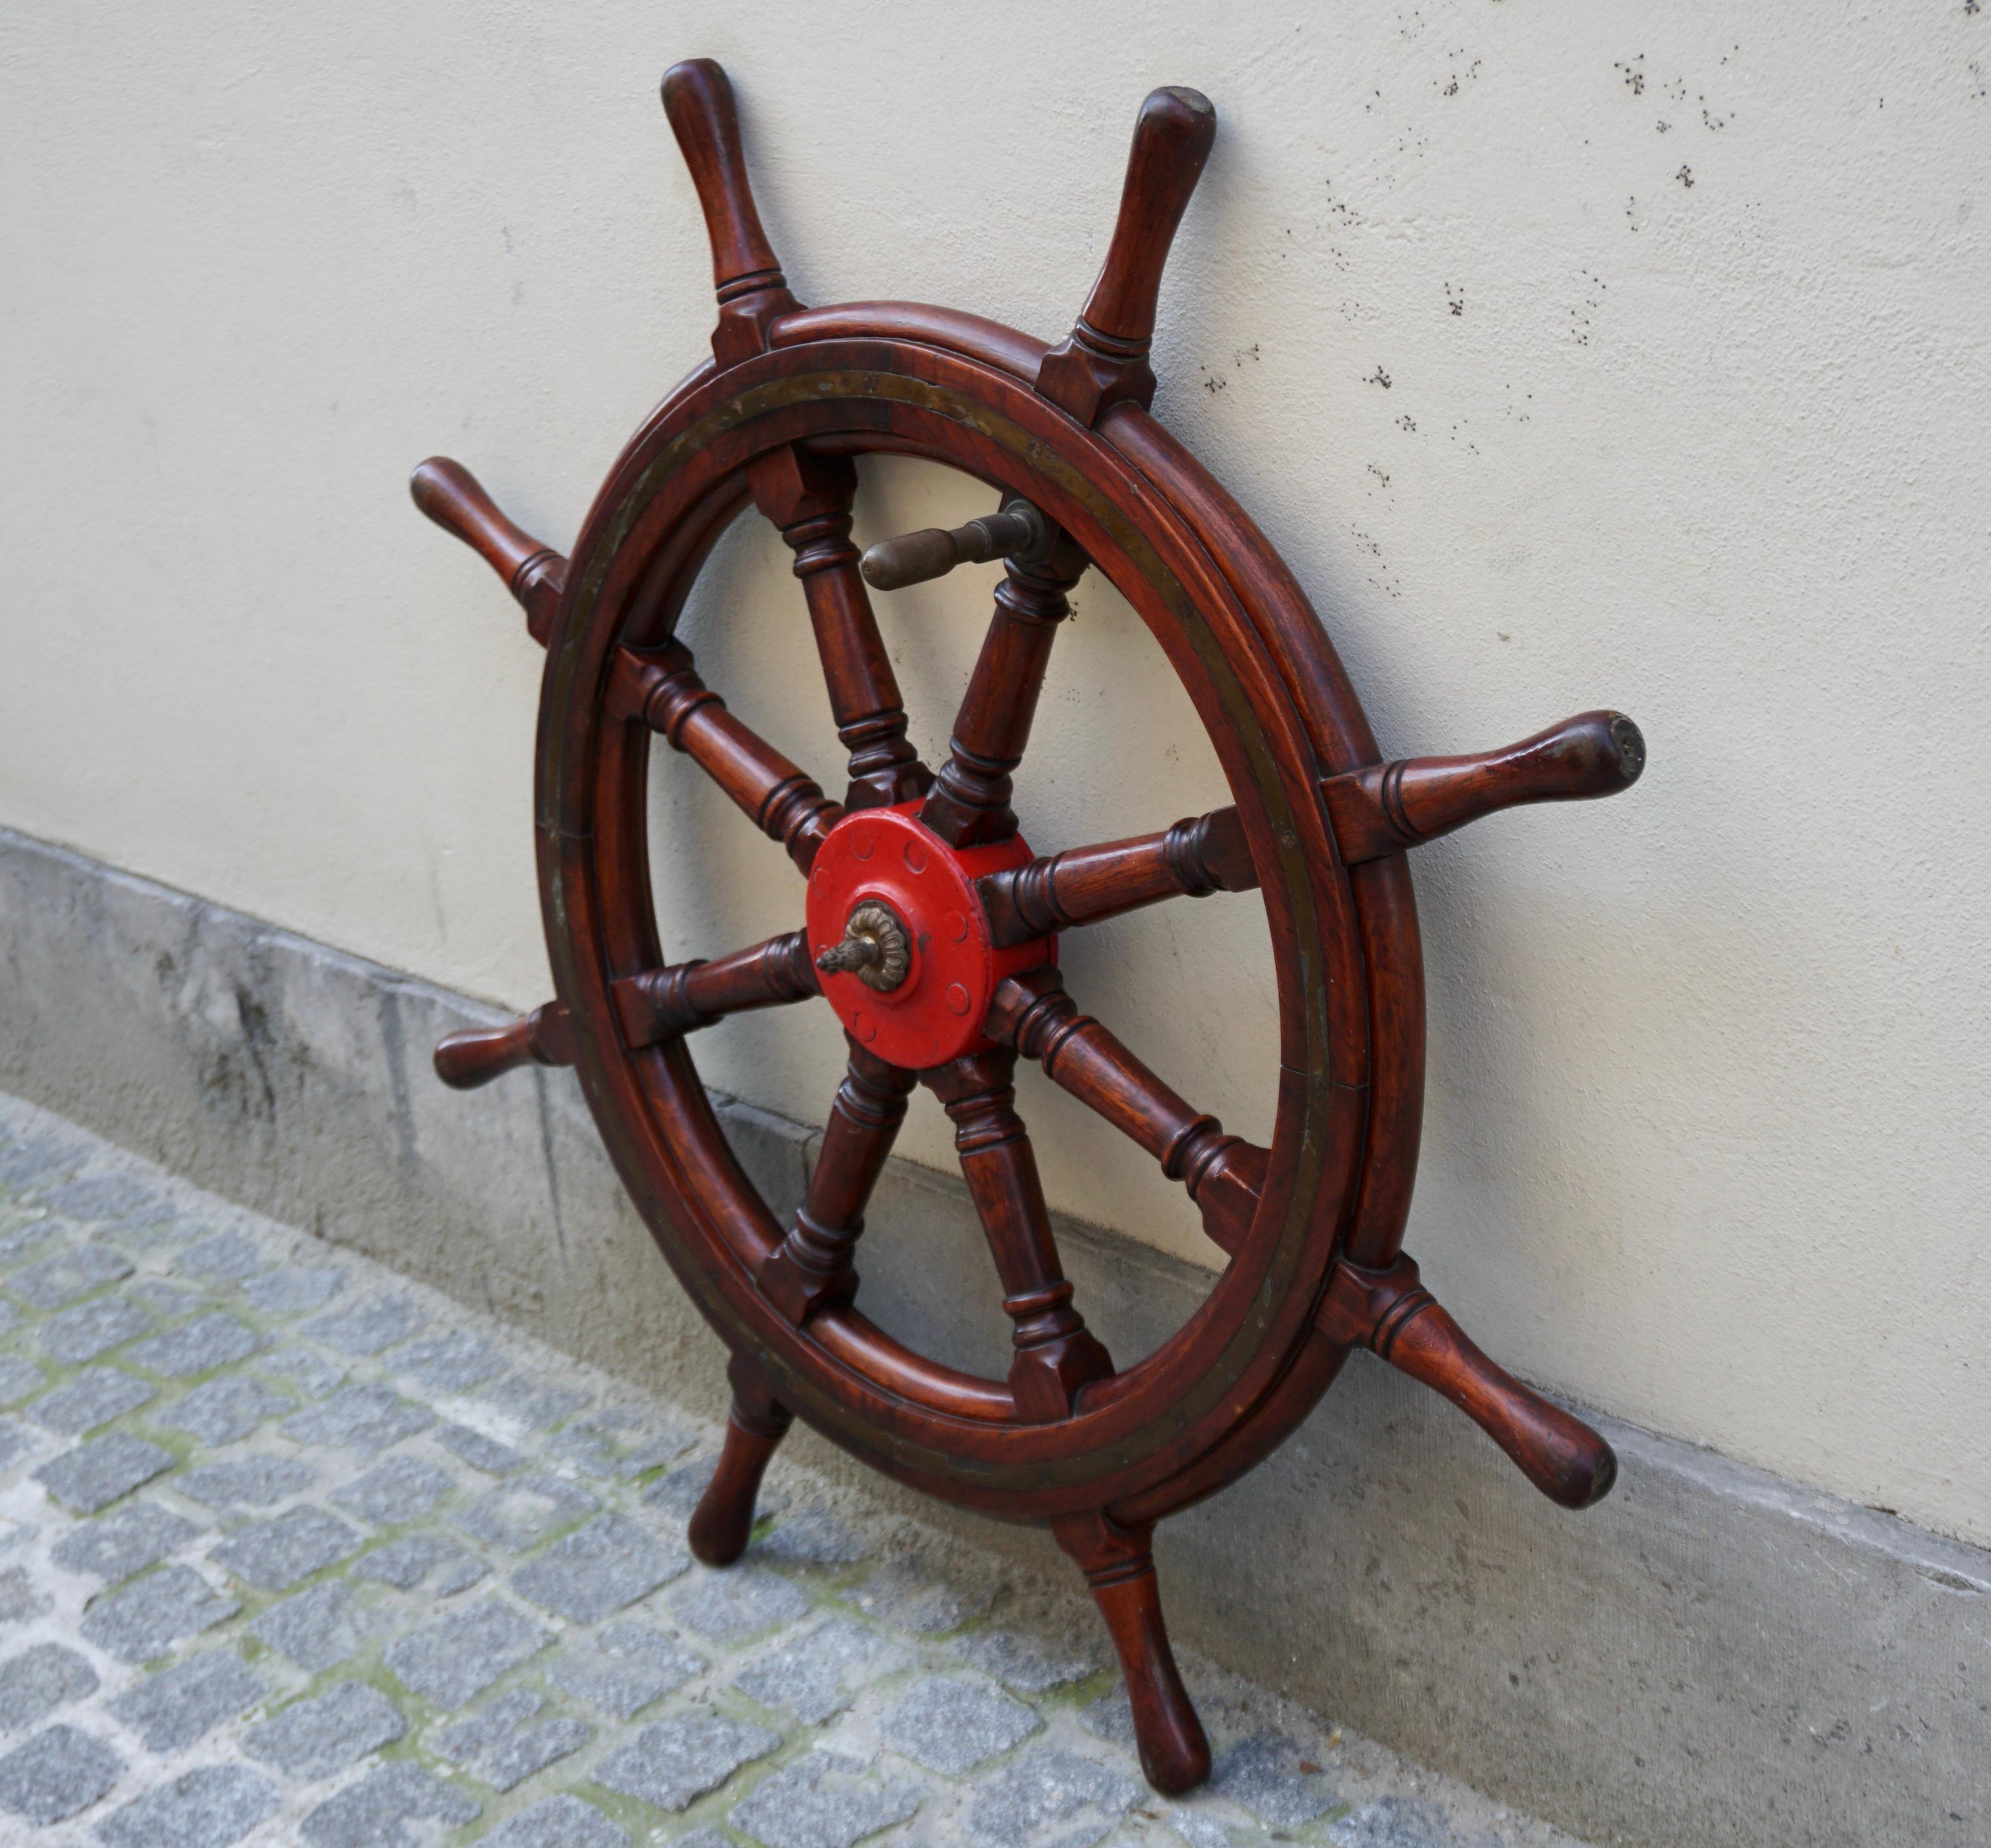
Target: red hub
pixel 934 1012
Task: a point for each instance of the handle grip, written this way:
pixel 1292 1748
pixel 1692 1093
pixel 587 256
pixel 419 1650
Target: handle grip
pixel 1389 807
pixel 1104 361
pixel 464 1061
pixel 1172 136
pixel 1390 1313
pixel 698 102
pixel 453 498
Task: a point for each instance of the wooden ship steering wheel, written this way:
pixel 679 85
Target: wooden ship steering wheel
pixel 931 930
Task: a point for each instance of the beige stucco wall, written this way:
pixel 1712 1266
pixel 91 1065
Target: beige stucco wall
pixel 1573 354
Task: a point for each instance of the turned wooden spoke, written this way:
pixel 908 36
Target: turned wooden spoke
pixel 663 690
pixel 1382 810
pixel 968 804
pixel 809 498
pixel 535 574
pixel 811 1266
pixel 1082 885
pixel 1223 1173
pixel 1391 1313
pixel 1056 1353
pixel 1389 807
pixel 660 1004
pixel 545 1037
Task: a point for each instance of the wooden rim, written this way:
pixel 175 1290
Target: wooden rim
pixel 1195 1412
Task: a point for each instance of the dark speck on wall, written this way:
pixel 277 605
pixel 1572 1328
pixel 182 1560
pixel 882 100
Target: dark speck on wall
pixel 1685 176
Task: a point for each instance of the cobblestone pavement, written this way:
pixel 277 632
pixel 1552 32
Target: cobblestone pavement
pixel 294 1551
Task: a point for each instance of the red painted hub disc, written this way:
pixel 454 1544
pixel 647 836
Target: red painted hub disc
pixel 936 1014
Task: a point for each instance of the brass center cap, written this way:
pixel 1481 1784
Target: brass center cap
pixel 877 947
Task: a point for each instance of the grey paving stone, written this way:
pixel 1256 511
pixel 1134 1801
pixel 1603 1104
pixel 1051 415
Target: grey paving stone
pixel 180 1704
pixel 64 1277
pixel 374 1813
pixel 610 1562
pixel 816 1675
pixel 304 1368
pixel 19 1378
pixel 1110 1718
pixel 953 1726
pixel 396 1490
pixel 404 1563
pixel 1045 1791
pixel 627 1666
pixel 209 1807
pixel 1263 1773
pixel 17 1239
pixel 1199 1830
pixel 19 1598
pixel 314 1738
pixel 55 1774
pixel 918 1598
pixel 126 1540
pixel 368 1328
pixel 560 1821
pixel 465 1739
pixel 43 1160
pixel 368 1419
pixel 166 1300
pixel 34 1683
pixel 318 1629
pixel 518 1514
pixel 93 1397
pixel 94 1475
pixel 223 1410
pixel 727 1605
pixel 814 1537
pixel 292 1289
pixel 254 1482
pixel 1394 1822
pixel 451 1361
pixel 198 1346
pixel 147 1616
pixel 622 1442
pixel 96 1197
pixel 454 1659
pixel 672 1763
pixel 226 1258
pixel 91 1329
pixel 1023 1663
pixel 16 1441
pixel 509 1756
pixel 677 1492
pixel 276 1555
pixel 536 1406
pixel 824 1800
pixel 479 1451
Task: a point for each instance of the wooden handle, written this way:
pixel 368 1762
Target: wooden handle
pixel 698 102
pixel 1019 532
pixel 1104 361
pixel 464 1061
pixel 453 498
pixel 1172 136
pixel 1389 1312
pixel 1391 806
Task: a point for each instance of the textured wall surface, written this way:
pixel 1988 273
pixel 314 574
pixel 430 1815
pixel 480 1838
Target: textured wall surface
pixel 1572 355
